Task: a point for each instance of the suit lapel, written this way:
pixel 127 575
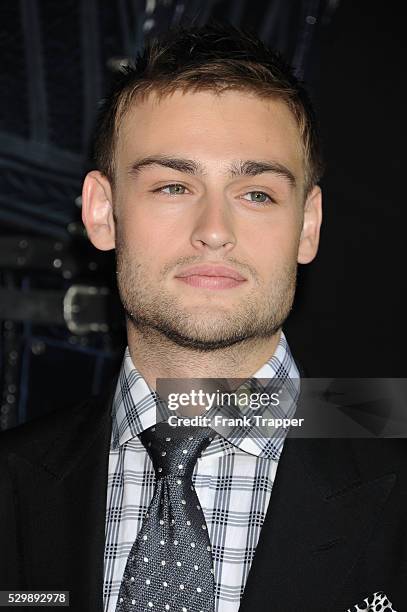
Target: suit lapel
pixel 61 504
pixel 321 513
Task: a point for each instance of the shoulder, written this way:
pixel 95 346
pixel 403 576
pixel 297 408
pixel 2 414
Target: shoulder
pixel 341 463
pixel 35 438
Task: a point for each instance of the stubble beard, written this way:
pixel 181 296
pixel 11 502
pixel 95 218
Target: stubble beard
pixel 208 327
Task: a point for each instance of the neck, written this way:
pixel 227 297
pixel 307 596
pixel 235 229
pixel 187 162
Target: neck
pixel 155 356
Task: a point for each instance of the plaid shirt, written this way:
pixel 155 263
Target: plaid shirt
pixel 233 481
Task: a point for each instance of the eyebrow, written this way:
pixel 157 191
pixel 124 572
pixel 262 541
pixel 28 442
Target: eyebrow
pixel 248 167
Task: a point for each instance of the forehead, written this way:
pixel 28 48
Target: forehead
pixel 211 127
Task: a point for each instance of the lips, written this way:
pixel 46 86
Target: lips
pixel 211 270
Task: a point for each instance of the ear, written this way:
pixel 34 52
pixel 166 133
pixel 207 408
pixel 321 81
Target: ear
pixel 97 210
pixel 309 239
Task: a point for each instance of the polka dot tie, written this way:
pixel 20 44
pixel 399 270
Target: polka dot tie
pixel 170 565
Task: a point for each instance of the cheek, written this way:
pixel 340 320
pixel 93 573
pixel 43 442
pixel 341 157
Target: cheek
pixel 274 242
pixel 149 240
pixel 138 230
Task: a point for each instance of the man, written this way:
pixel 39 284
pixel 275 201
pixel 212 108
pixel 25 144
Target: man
pixel 207 187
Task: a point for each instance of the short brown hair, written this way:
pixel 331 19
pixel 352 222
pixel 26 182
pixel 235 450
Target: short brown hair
pixel 214 57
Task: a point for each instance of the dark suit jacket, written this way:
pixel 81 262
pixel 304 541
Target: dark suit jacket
pixel 335 532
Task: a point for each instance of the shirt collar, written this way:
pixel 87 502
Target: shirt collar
pixel 137 407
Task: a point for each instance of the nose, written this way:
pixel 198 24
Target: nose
pixel 213 228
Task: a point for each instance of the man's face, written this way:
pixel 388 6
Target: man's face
pixel 249 222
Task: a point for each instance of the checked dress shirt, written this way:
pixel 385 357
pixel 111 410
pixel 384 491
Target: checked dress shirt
pixel 233 481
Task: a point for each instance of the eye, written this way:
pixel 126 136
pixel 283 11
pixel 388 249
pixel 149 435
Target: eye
pixel 174 189
pixel 259 197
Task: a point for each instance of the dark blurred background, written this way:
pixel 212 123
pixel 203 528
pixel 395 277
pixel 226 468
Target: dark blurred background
pixel 61 328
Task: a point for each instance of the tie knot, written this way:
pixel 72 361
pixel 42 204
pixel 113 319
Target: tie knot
pixel 175 450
